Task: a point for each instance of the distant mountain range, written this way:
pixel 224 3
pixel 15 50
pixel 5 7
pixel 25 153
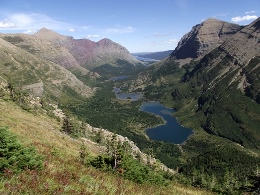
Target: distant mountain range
pixel 91 54
pixel 50 63
pixel 154 55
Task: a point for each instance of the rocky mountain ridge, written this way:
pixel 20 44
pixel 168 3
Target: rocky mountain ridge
pixel 42 48
pixel 90 54
pixel 244 45
pixel 56 62
pixel 228 73
pixel 40 76
pixel 203 38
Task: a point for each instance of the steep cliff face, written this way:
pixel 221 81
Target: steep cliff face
pixel 245 44
pixel 226 87
pixel 203 38
pixel 234 56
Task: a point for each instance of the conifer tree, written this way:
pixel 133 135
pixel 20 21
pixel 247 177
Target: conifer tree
pixel 67 126
pixel 115 151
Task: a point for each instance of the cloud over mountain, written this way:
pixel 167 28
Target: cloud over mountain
pixel 238 19
pixel 25 21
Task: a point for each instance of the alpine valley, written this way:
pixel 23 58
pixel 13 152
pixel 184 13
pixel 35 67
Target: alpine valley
pixel 64 131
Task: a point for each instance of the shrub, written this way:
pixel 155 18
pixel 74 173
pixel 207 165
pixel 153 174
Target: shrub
pixel 14 157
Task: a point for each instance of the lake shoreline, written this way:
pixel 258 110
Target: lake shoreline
pixel 171 131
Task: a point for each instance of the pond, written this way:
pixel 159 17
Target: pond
pixel 119 78
pixel 171 131
pixel 127 96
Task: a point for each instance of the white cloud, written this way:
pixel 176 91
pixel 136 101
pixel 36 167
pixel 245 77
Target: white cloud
pixel 172 41
pixel 250 12
pixel 121 30
pixel 157 43
pixel 93 36
pixel 22 19
pixel 161 35
pixel 243 18
pixel 30 31
pixel 86 27
pixel 72 30
pixel 25 21
pixel 5 24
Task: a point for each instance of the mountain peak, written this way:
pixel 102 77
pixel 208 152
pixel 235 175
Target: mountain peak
pixel 212 20
pixel 45 31
pixel 105 41
pixel 50 35
pixel 203 38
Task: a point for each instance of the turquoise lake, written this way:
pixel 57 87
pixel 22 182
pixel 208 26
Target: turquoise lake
pixel 171 131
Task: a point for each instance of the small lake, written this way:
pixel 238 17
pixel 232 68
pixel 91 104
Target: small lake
pixel 171 131
pixel 119 78
pixel 145 59
pixel 127 96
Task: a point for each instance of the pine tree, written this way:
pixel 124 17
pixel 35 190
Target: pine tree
pixel 67 126
pixel 83 153
pixel 115 151
pixel 15 157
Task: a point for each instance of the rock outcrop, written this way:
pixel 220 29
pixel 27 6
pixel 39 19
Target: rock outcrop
pixel 203 38
pixel 245 44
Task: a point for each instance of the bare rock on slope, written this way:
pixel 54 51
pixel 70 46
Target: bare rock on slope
pixel 245 44
pixel 203 38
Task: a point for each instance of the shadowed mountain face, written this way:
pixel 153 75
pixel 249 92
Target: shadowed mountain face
pixel 203 38
pixel 226 84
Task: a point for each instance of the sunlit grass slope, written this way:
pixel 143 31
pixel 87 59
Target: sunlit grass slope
pixel 63 173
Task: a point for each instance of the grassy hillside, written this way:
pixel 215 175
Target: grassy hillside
pixel 63 172
pixel 40 77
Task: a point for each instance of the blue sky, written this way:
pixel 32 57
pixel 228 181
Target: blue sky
pixel 138 25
